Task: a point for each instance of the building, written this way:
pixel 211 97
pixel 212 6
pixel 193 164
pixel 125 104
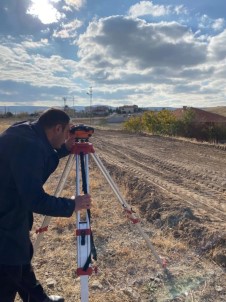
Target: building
pixel 200 115
pixel 97 110
pixel 201 124
pixel 128 109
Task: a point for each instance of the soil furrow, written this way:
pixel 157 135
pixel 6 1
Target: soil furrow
pixel 181 193
pixel 179 167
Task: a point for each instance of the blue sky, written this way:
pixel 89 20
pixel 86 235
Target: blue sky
pixel 149 53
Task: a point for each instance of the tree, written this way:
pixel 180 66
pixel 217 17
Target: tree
pixel 166 122
pixel 134 124
pixel 150 121
pixel 162 122
pixel 118 111
pixel 8 114
pixel 187 123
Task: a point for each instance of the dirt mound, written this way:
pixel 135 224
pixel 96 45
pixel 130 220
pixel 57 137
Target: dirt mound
pixel 172 217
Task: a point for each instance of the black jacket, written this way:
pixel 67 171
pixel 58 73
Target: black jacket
pixel 26 161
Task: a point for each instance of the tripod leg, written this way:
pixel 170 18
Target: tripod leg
pixel 83 233
pixel 57 193
pixel 64 175
pixel 126 207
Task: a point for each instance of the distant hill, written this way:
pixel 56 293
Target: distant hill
pixel 218 110
pixel 32 109
pixel 29 109
pixel 19 109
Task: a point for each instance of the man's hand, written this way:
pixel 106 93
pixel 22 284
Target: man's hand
pixel 82 202
pixel 69 143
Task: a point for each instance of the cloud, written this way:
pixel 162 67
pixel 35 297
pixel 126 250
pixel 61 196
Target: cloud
pixel 148 8
pixel 138 45
pixel 120 56
pixel 180 9
pixel 205 22
pixel 30 44
pixel 15 21
pixel 67 8
pixel 216 47
pixel 144 8
pixel 20 65
pixel 76 4
pixel 68 30
pixel 218 24
pixel 162 57
pixel 45 11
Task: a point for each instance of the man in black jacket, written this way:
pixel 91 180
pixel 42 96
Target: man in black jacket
pixel 29 153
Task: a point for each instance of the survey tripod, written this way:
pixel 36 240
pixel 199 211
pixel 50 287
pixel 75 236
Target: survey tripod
pixel 86 252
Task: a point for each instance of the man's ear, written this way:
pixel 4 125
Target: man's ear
pixel 58 128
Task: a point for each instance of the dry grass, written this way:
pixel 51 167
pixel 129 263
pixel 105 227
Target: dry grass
pixel 5 123
pixel 127 269
pixel 221 110
pixel 168 243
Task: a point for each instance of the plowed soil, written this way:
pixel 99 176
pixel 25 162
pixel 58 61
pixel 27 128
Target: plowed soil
pixel 187 174
pixel 178 189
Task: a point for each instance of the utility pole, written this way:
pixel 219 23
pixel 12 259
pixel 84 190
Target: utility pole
pixel 90 93
pixel 73 106
pixel 65 101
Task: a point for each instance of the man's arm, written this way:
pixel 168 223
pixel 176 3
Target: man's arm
pixel 27 166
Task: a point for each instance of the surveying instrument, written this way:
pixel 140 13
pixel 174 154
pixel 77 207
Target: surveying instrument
pixel 86 251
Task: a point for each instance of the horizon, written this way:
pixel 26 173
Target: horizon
pixel 32 108
pixel 169 53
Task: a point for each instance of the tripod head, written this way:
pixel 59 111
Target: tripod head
pixel 81 132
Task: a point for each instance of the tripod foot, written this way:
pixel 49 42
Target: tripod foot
pixel 54 298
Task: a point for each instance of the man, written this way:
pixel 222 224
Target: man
pixel 29 153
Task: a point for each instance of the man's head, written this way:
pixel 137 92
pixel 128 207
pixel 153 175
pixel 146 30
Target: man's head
pixel 55 123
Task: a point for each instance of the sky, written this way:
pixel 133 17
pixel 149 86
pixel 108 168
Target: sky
pixel 113 52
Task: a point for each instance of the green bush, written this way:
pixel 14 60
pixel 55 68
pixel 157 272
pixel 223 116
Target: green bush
pixel 164 122
pixel 133 124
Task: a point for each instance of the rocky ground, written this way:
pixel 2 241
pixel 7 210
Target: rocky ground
pixel 178 190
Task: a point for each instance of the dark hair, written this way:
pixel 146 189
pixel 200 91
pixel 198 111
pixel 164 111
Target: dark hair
pixel 52 117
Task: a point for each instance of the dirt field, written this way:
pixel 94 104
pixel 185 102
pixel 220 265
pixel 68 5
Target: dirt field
pixel 178 189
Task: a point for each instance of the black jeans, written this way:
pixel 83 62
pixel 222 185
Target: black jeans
pixel 20 279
